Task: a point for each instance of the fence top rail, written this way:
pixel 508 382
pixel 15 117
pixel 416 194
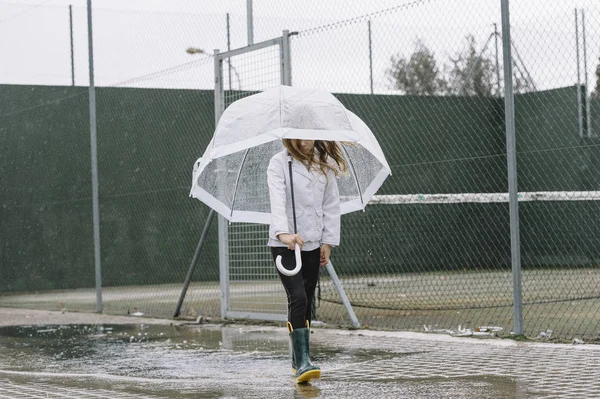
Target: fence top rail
pixel 278 41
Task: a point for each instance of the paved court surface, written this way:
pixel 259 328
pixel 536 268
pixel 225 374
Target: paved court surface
pixel 47 354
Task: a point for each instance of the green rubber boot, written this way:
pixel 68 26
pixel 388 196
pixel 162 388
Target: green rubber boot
pixel 289 327
pixel 305 370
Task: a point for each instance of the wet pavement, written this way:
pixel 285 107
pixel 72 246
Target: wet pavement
pixel 164 360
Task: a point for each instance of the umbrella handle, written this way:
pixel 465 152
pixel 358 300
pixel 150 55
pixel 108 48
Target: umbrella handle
pixel 295 270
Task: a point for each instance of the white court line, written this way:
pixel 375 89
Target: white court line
pixel 526 196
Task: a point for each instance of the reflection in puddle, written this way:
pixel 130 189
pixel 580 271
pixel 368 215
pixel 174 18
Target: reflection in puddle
pixel 130 349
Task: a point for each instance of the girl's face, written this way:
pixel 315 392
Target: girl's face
pixel 306 146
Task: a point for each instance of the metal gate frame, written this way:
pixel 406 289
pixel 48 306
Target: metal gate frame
pixel 286 79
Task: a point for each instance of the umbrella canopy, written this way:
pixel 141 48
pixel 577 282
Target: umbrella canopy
pixel 231 176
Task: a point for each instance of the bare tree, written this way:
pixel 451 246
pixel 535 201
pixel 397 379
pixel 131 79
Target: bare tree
pixel 596 92
pixel 471 72
pixel 417 75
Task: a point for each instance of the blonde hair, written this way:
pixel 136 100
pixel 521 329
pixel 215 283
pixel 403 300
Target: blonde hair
pixel 326 150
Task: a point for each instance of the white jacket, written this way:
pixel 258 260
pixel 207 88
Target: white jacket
pixel 317 202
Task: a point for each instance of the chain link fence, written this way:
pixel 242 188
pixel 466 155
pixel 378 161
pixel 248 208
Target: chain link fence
pixel 433 250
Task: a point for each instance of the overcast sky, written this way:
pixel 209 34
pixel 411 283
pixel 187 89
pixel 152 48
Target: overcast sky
pixel 141 43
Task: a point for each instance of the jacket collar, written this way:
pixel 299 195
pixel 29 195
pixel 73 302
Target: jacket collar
pixel 297 166
pixel 300 168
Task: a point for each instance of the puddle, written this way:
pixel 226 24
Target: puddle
pixel 132 350
pixel 174 361
pixel 177 359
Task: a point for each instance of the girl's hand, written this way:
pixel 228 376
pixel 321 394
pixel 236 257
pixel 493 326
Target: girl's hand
pixel 290 240
pixel 325 253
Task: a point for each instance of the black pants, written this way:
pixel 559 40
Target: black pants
pixel 300 288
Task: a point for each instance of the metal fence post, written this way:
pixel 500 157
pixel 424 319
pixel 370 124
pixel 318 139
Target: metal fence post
pixel 579 91
pixel 94 156
pixel 250 22
pixel 511 153
pixel 286 64
pixel 229 48
pixel 370 56
pixel 72 51
pixel 222 222
pixel 587 94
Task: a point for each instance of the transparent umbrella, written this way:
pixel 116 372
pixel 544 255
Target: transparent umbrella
pixel 231 175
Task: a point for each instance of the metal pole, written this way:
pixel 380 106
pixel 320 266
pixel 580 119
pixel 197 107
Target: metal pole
pixel 511 152
pixel 370 55
pixel 72 51
pixel 190 273
pixel 229 48
pixel 340 290
pixel 94 156
pixel 286 64
pixel 526 75
pixel 579 104
pixel 496 34
pixel 250 22
pixel 585 69
pixel 222 222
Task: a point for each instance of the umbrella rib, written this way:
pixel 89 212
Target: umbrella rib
pixel 237 181
pixel 354 173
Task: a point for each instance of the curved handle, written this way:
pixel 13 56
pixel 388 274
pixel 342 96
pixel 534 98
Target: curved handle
pixel 295 270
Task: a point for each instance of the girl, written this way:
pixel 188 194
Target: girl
pixel 315 167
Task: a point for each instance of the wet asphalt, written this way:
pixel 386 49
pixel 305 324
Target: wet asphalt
pixel 241 361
